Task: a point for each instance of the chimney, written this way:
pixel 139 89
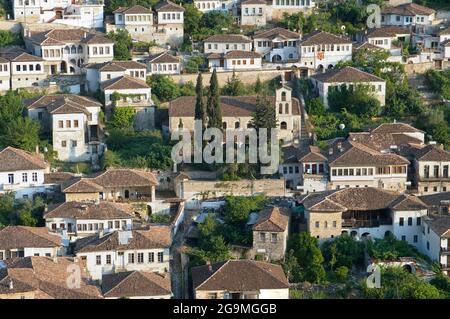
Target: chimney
pixel 330 151
pixel 11 285
pixel 85 35
pixel 55 258
pixel 208 263
pixel 37 149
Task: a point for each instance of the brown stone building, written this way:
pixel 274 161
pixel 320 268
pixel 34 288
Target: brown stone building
pixel 270 232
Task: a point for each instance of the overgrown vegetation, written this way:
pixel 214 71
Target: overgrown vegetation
pixel 26 212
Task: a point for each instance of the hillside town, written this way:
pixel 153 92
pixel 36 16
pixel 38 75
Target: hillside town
pixel 120 124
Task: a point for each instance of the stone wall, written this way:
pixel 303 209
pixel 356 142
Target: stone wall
pixel 10 25
pixel 414 68
pixel 248 77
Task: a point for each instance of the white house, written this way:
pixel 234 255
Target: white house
pixel 251 280
pixel 24 241
pixel 31 10
pixel 408 14
pixel 137 20
pixel 253 12
pixel 81 219
pixel 348 76
pixel 224 43
pixel 99 73
pixel 170 21
pixel 234 60
pixel 21 172
pixel 322 50
pixel 435 241
pixel 74 123
pixel 164 63
pixel 140 250
pixel 277 45
pixel 67 50
pixel 215 5
pixel 136 285
pixel 25 70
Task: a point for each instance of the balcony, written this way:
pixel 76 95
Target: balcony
pixel 353 223
pixel 445 250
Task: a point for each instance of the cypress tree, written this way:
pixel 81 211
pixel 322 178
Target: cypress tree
pixel 213 103
pixel 200 113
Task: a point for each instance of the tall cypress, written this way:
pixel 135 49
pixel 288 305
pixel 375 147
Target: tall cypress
pixel 213 103
pixel 200 113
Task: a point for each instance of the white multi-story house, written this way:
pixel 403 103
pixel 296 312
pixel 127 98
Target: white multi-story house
pixel 364 213
pixel 99 73
pixel 83 13
pixel 23 241
pixel 277 45
pixel 137 20
pixel 234 60
pixel 81 219
pixel 253 12
pixel 444 43
pixel 5 74
pixel 67 50
pixel 164 63
pixel 25 70
pixel 141 250
pixel 321 50
pixel 74 123
pixel 436 239
pixel 169 21
pixel 408 14
pixel 224 43
pixel 431 166
pixel 21 172
pixel 348 76
pixel 214 5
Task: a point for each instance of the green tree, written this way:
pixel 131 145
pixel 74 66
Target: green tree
pixel 122 118
pixel 8 38
pixel 259 87
pixel 356 99
pixel 200 113
pixel 343 251
pixel 6 208
pixel 22 133
pixel 164 87
pixel 264 115
pixel 192 18
pixel 122 44
pixel 233 86
pixel 213 108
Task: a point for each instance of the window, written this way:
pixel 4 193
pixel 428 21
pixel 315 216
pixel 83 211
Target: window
pixel 131 258
pixel 151 257
pixel 110 224
pixel 34 177
pixel 75 123
pixel 262 237
pixel 401 221
pixel 436 171
pixel 404 238
pixel 409 221
pixel 98 260
pixel 63 143
pixel 425 189
pixel 60 124
pixel 160 257
pixel 334 224
pixel 108 259
pixel 24 177
pixel 415 239
pixel 117 224
pixel 418 221
pixel 428 245
pixel 68 123
pixel 74 143
pixel 274 238
pixel 140 258
pixel 317 224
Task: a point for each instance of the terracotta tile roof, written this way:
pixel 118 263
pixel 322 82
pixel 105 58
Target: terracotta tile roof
pixel 80 185
pixel 164 58
pixel 155 237
pixel 21 57
pixel 311 154
pixel 388 31
pixel 347 74
pixel 168 6
pixel 276 32
pixel 14 159
pixel 434 200
pixel 396 128
pixel 125 177
pixel 135 284
pixel 408 9
pixel 124 82
pixel 444 31
pixel 44 276
pixel 322 37
pixel 17 237
pixel 237 54
pixel 356 154
pixel 433 153
pixel 62 36
pixel 239 275
pixel 407 202
pixel 118 66
pixel 136 9
pixel 77 210
pixel 63 103
pixel 232 106
pixel 249 2
pixel 440 224
pixel 57 177
pixel 366 46
pixel 382 141
pixel 274 219
pixel 228 38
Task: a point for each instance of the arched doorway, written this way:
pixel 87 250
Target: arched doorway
pixel 276 58
pixel 127 193
pixel 330 66
pixel 387 233
pixel 407 268
pixel 354 233
pixel 320 68
pixel 344 232
pixel 365 236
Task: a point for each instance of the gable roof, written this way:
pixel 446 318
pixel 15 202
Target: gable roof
pixel 435 200
pixel 274 219
pixel 62 36
pixel 164 58
pixel 136 9
pixel 17 237
pixel 396 127
pixel 44 276
pixel 311 154
pixel 21 57
pixel 63 103
pixel 322 37
pixel 383 141
pixel 118 66
pixel 407 202
pixel 387 31
pixel 408 9
pixel 135 284
pixel 14 159
pixel 77 210
pixel 232 106
pixel 440 224
pixel 155 237
pixel 168 6
pixel 124 82
pixel 228 38
pixel 433 153
pixel 239 275
pixel 347 74
pixel 277 32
